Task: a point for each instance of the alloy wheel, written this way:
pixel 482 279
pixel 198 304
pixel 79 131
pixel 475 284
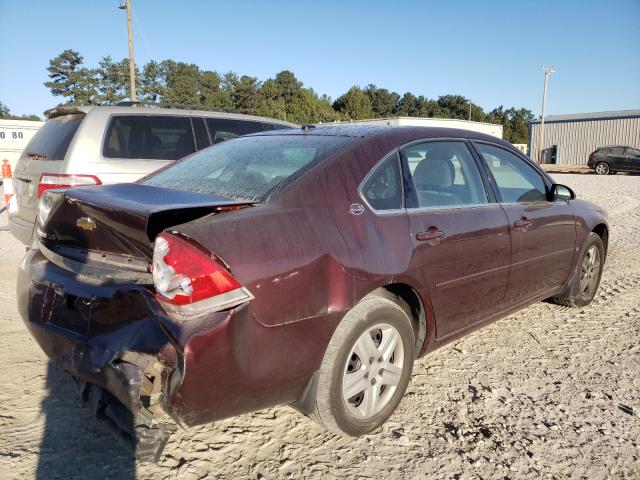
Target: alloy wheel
pixel 590 270
pixel 373 370
pixel 602 169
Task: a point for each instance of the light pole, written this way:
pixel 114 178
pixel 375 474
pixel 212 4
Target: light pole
pixel 547 71
pixel 126 5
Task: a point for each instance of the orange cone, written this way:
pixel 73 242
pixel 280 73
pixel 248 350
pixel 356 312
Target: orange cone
pixel 7 181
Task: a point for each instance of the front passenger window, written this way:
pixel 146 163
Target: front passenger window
pixel 517 181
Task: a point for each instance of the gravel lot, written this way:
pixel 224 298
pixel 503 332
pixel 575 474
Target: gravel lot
pixel 549 392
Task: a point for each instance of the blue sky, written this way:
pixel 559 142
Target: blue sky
pixel 489 51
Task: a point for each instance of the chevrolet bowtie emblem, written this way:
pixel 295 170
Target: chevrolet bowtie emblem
pixel 86 223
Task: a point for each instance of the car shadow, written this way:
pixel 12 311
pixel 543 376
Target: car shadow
pixel 74 443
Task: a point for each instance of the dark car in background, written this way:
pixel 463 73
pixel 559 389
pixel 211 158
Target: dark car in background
pixel 308 267
pixel 95 145
pixel 615 159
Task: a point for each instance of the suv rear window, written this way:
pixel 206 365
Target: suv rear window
pixel 248 168
pixel 149 137
pixel 53 139
pixel 221 129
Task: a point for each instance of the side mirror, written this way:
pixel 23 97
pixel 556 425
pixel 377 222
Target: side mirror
pixel 561 192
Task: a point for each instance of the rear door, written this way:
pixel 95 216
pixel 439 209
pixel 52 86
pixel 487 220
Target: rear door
pixel 460 234
pixel 543 236
pixel 45 153
pixel 136 145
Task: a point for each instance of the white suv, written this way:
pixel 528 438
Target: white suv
pixel 95 145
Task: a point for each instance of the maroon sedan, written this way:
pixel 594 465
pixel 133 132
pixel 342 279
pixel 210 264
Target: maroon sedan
pixel 307 267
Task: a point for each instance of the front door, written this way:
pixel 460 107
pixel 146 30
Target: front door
pixel 543 237
pixel 461 240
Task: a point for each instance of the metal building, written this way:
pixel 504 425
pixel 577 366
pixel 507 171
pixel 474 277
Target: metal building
pixel 576 136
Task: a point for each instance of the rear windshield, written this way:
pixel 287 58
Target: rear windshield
pixel 53 139
pixel 248 168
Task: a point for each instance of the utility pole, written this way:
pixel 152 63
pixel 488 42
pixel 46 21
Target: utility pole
pixel 469 109
pixel 132 67
pixel 547 71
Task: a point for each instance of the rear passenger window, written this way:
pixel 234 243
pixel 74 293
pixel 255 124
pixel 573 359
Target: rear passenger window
pixel 149 137
pixel 200 133
pixel 383 190
pixel 273 126
pixel 443 174
pixel 517 181
pixel 617 151
pixel 221 129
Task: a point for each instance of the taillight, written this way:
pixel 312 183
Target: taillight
pixel 48 181
pixel 190 281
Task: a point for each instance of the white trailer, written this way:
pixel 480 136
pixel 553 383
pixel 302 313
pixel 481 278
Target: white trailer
pixel 488 128
pixel 14 136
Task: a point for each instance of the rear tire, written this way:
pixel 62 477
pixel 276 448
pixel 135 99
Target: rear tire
pixel 366 368
pixel 586 278
pixel 602 168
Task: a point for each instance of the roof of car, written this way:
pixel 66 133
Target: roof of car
pixel 151 110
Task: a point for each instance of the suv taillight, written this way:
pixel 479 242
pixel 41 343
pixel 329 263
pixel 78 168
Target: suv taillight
pixel 189 281
pixel 48 181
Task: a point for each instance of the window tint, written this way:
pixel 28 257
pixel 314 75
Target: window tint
pixel 149 137
pixel 516 180
pixel 442 174
pixel 249 168
pixel 617 151
pixel 54 137
pixel 383 190
pixel 221 129
pixel 200 133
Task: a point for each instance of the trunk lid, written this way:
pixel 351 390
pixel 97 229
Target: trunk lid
pixel 116 225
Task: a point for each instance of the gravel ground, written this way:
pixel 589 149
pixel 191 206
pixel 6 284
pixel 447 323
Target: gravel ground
pixel 549 392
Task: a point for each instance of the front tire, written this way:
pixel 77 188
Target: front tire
pixel 586 278
pixel 366 368
pixel 602 168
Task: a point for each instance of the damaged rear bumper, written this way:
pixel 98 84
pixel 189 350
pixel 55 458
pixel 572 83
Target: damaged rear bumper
pixel 108 338
pixel 164 371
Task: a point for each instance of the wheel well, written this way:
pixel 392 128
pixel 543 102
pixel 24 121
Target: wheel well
pixel 412 304
pixel 603 232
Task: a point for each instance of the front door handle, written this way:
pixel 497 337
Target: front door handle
pixel 433 236
pixel 524 223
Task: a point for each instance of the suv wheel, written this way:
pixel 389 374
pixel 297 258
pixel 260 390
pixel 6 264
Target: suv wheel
pixel 602 168
pixel 366 368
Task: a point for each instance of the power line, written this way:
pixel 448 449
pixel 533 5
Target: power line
pixel 144 37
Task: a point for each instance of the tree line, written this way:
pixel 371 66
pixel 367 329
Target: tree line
pixel 6 114
pixel 285 97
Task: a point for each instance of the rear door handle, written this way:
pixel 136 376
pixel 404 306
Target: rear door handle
pixel 433 236
pixel 523 223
